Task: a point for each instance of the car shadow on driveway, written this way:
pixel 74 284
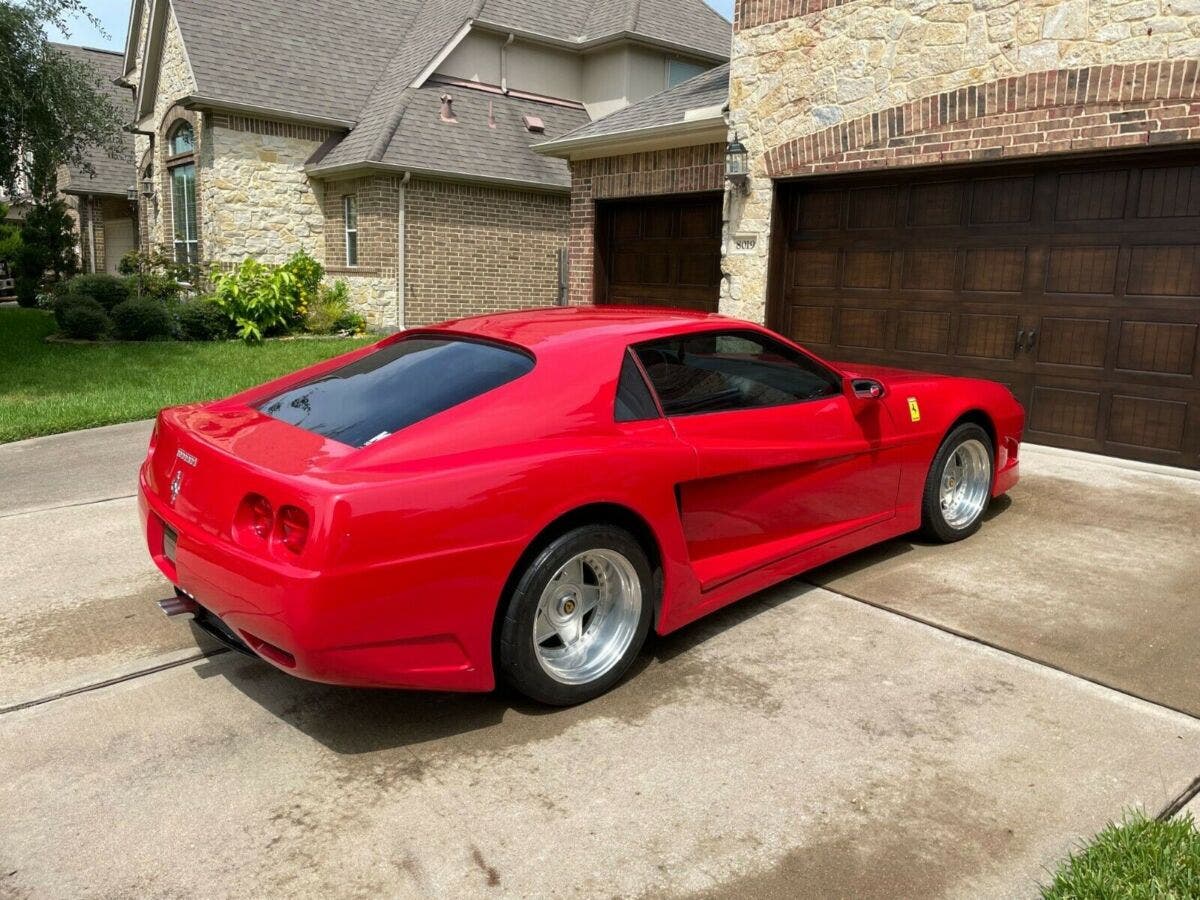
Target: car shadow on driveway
pixel 352 721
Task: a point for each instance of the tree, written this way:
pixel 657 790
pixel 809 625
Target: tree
pixel 53 108
pixel 47 248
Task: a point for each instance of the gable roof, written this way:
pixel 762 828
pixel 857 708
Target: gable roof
pixel 692 108
pixel 361 72
pixel 472 147
pixel 113 176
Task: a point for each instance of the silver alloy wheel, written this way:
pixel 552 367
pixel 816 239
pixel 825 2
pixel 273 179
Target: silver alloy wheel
pixel 587 616
pixel 965 482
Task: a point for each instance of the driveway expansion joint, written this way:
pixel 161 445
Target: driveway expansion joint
pixel 1000 648
pixel 1176 806
pixel 110 682
pixel 46 509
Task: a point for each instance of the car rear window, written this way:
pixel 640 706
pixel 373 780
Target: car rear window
pixel 397 385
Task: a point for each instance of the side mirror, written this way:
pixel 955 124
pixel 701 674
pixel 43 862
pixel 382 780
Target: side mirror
pixel 867 388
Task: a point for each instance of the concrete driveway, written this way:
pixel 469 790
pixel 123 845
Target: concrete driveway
pixel 918 721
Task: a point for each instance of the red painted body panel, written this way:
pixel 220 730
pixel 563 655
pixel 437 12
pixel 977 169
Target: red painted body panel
pixel 413 539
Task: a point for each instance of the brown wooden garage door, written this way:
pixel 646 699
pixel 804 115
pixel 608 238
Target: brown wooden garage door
pixel 662 252
pixel 1078 284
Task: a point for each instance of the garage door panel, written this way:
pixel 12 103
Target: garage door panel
pixel 821 211
pixel 1076 282
pixel 1166 348
pixel 873 207
pixel 1169 192
pixel 998 270
pixel 1064 412
pixel 1002 201
pixel 814 268
pixel 868 269
pixel 1165 271
pixel 923 332
pixel 1082 270
pixel 1073 342
pixel 1091 196
pixel 930 270
pixel 1147 422
pixel 987 336
pixel 936 204
pixel 811 325
pixel 866 328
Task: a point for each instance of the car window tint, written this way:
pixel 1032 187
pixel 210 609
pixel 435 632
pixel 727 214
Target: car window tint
pixel 634 402
pixel 395 386
pixel 719 371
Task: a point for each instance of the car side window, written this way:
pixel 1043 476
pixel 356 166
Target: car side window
pixel 721 371
pixel 634 401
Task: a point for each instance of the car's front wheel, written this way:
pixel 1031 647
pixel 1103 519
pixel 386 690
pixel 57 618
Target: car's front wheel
pixel 578 616
pixel 959 485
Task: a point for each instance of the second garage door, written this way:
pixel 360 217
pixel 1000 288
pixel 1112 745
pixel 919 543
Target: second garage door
pixel 1078 284
pixel 660 252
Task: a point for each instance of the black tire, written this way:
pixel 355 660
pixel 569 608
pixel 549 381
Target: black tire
pixel 517 659
pixel 933 520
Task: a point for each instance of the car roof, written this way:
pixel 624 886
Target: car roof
pixel 540 329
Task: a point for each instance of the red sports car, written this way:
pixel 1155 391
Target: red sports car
pixel 523 496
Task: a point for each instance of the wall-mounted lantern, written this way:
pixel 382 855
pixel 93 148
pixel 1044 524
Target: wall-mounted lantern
pixel 737 164
pixel 147 187
pixel 131 193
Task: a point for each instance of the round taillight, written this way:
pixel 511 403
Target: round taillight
pixel 262 517
pixel 293 528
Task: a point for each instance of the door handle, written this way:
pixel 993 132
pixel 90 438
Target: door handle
pixel 1020 341
pixel 1032 340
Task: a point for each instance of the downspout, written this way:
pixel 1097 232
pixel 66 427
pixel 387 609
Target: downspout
pixel 91 211
pixel 504 61
pixel 402 192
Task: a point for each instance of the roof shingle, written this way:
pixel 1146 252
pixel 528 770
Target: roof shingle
pixel 113 176
pixel 668 108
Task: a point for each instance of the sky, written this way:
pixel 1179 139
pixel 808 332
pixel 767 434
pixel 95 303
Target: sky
pixel 114 16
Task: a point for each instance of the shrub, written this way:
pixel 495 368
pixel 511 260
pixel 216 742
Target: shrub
pixel 82 319
pixel 330 312
pixel 203 320
pixel 257 298
pixel 61 301
pixel 141 320
pixel 308 274
pixel 157 276
pixel 107 290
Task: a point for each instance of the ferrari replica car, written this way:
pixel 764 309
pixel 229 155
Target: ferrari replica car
pixel 523 496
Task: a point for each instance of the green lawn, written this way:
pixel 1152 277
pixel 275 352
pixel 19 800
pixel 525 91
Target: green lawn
pixel 1138 859
pixel 49 388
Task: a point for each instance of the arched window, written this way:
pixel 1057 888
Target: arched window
pixel 183 139
pixel 183 192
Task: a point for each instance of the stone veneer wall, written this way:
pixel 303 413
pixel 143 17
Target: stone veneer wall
pixel 681 170
pixel 476 248
pixel 256 199
pixel 844 85
pixel 175 80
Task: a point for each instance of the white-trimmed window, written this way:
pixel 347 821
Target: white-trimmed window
pixel 183 212
pixel 350 214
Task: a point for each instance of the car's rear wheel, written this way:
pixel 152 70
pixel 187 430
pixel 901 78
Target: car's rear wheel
pixel 578 616
pixel 959 485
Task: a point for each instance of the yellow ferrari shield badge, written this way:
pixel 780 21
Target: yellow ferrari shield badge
pixel 913 409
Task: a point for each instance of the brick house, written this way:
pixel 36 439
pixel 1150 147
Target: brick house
pixel 391 142
pixel 104 216
pixel 1010 190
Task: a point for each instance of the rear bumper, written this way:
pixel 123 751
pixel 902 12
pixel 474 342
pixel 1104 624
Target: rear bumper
pixel 403 625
